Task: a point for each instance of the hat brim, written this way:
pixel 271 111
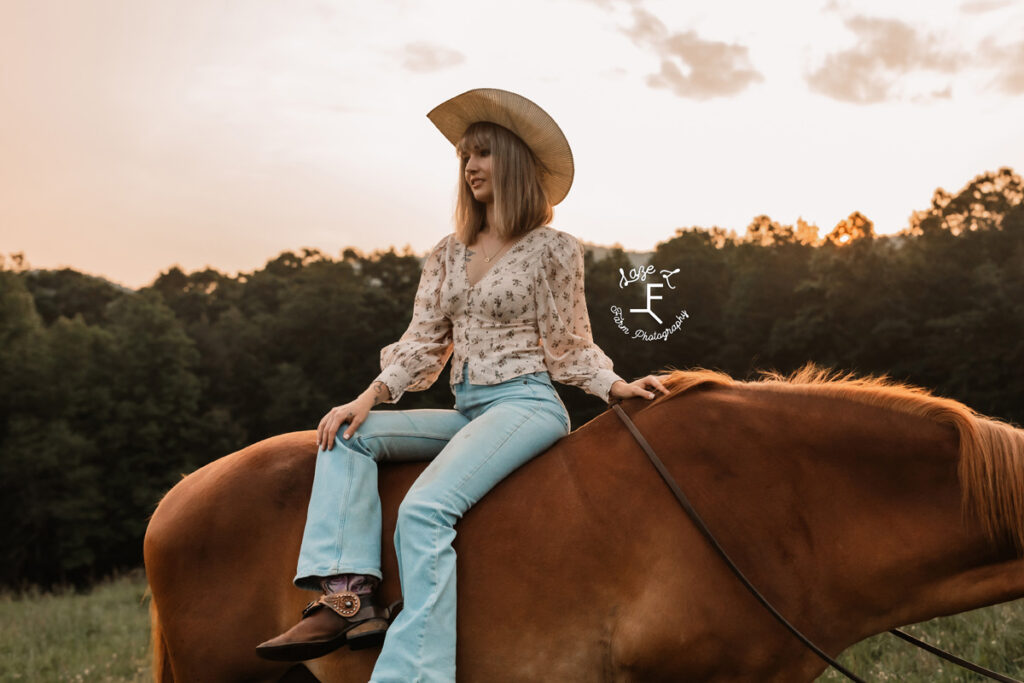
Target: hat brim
pixel 521 116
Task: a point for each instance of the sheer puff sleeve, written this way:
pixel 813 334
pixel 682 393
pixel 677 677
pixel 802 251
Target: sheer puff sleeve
pixel 570 353
pixel 414 362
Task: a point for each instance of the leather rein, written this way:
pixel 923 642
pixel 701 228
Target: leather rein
pixel 702 527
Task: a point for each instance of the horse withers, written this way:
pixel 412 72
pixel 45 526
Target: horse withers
pixel 854 504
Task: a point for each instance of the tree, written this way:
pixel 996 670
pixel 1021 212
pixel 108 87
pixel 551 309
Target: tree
pixel 766 232
pixel 149 430
pixel 982 204
pixel 854 227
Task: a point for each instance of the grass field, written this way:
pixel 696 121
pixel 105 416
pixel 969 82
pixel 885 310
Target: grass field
pixel 103 635
pixel 990 637
pixel 99 636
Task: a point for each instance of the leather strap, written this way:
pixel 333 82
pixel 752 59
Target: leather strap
pixel 360 609
pixel 962 663
pixel 685 503
pixel 681 497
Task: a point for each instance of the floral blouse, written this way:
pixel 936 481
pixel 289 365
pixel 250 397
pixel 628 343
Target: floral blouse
pixel 527 313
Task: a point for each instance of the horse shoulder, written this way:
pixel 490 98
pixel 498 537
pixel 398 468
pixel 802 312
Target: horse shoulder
pixel 278 470
pixel 208 534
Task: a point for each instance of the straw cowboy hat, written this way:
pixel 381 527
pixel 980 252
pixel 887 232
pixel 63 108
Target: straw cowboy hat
pixel 521 116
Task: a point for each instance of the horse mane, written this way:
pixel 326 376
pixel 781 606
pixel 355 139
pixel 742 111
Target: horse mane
pixel 991 465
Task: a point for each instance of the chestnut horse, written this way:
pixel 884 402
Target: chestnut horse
pixel 855 504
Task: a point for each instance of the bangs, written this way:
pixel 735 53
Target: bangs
pixel 478 136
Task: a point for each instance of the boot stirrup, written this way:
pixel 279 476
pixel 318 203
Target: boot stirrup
pixel 346 603
pixel 351 606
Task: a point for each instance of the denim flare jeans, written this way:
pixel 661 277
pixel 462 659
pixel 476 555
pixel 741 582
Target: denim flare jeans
pixel 492 431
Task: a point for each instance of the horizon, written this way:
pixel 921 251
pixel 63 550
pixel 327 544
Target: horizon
pixel 139 136
pixel 822 232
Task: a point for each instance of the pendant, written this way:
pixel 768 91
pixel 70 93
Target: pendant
pixel 486 260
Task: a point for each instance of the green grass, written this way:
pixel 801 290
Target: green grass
pixel 103 635
pixel 990 637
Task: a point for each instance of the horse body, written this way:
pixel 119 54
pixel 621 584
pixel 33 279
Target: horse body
pixel 581 566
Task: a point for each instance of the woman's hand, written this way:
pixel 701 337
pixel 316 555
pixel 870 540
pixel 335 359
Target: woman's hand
pixel 639 387
pixel 353 412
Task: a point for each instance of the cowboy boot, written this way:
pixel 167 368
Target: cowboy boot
pixel 330 622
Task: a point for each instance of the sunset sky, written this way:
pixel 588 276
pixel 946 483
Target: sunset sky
pixel 137 134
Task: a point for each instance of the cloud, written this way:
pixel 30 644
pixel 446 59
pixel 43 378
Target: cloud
pixel 647 29
pixel 944 94
pixel 713 68
pixel 979 6
pixel 611 4
pixel 423 57
pixel 1009 63
pixel 886 50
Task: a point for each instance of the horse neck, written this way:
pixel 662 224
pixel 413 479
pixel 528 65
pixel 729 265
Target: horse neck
pixel 955 514
pixel 922 554
pixel 857 507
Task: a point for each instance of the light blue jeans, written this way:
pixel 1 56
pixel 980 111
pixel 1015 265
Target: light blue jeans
pixel 491 432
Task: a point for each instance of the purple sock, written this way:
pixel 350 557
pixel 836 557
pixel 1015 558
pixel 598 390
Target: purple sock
pixel 360 584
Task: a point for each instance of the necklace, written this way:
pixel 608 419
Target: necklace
pixel 487 259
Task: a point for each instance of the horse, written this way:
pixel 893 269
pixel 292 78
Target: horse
pixel 856 504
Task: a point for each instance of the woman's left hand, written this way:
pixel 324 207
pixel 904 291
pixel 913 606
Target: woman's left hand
pixel 639 387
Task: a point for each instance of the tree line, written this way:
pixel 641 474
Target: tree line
pixel 108 396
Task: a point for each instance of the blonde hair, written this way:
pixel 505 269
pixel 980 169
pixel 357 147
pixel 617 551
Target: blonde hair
pixel 520 202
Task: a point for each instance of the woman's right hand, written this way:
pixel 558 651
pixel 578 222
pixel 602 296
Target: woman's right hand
pixel 353 412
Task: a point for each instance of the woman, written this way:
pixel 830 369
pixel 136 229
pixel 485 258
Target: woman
pixel 504 293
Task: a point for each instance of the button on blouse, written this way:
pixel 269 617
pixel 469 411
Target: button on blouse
pixel 527 313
